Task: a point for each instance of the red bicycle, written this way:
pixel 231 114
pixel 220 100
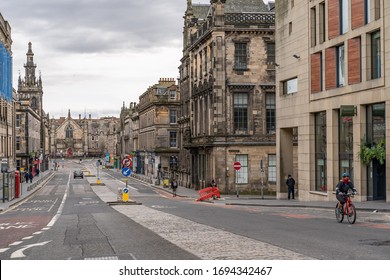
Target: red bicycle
pixel 348 210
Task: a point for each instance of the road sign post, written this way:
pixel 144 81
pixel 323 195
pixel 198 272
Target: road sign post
pixel 237 166
pixel 125 194
pixel 262 178
pixel 97 167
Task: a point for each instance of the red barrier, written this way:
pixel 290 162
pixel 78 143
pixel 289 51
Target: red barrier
pixel 209 192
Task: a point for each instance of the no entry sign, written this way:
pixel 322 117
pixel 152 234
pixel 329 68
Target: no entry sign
pixel 237 165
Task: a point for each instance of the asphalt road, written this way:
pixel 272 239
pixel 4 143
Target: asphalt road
pixel 67 220
pixel 311 232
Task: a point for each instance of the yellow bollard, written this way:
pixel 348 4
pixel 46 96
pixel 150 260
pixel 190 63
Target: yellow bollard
pixel 125 195
pixel 98 181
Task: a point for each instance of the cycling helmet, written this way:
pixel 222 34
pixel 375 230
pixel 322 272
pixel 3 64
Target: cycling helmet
pixel 345 174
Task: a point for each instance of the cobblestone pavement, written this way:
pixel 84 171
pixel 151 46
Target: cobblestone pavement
pixel 215 244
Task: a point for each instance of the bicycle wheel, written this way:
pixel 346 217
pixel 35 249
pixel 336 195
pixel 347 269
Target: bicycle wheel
pixel 351 214
pixel 339 213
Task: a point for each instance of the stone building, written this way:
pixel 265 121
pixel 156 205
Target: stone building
pixel 156 130
pixel 31 120
pixel 126 131
pixel 333 91
pixel 83 137
pixel 227 75
pixel 7 100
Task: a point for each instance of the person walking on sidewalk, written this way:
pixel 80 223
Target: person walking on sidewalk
pixel 174 186
pixel 27 176
pixel 31 177
pixel 290 184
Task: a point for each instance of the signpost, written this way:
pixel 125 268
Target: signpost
pixel 262 178
pixel 125 192
pixel 126 171
pixel 97 168
pixel 237 166
pixel 127 162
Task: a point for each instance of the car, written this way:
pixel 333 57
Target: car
pixel 77 174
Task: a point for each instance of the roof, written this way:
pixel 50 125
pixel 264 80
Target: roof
pixel 245 6
pixel 200 10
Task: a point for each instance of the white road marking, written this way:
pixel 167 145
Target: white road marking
pixel 27 237
pixel 128 186
pixel 19 253
pixel 59 212
pixel 15 243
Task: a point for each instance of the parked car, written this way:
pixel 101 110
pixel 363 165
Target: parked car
pixel 78 173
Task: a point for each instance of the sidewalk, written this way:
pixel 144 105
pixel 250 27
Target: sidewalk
pixel 27 189
pixel 268 201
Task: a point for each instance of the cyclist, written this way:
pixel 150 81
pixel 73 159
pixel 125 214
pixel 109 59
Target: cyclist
pixel 342 189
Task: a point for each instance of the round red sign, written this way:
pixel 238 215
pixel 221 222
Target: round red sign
pixel 237 165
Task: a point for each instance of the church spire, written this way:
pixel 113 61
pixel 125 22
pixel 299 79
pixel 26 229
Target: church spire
pixel 30 67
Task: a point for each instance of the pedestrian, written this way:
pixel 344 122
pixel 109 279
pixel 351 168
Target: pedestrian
pixel 26 176
pixel 290 182
pixel 213 185
pixel 31 177
pixel 37 172
pixel 174 186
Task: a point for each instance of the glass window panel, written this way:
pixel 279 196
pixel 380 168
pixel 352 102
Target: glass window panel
pixel 240 54
pixel 272 168
pixel 320 151
pixel 240 111
pixel 346 145
pixel 375 55
pixel 242 174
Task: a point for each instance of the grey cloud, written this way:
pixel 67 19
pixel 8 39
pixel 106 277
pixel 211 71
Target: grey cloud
pixel 90 26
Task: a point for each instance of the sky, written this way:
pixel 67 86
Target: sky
pixel 93 55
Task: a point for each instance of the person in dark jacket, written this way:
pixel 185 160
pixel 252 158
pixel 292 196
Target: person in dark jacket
pixel 290 182
pixel 174 186
pixel 342 189
pixel 27 176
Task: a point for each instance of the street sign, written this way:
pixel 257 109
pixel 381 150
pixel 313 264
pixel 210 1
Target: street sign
pixel 126 171
pixel 125 194
pixel 126 162
pixel 237 165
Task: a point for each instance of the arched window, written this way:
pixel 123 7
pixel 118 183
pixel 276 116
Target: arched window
pixel 69 132
pixel 34 104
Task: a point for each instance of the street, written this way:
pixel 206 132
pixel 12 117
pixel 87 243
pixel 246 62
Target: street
pixel 71 219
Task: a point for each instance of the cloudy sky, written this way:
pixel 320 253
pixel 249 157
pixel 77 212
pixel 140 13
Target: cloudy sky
pixel 94 55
